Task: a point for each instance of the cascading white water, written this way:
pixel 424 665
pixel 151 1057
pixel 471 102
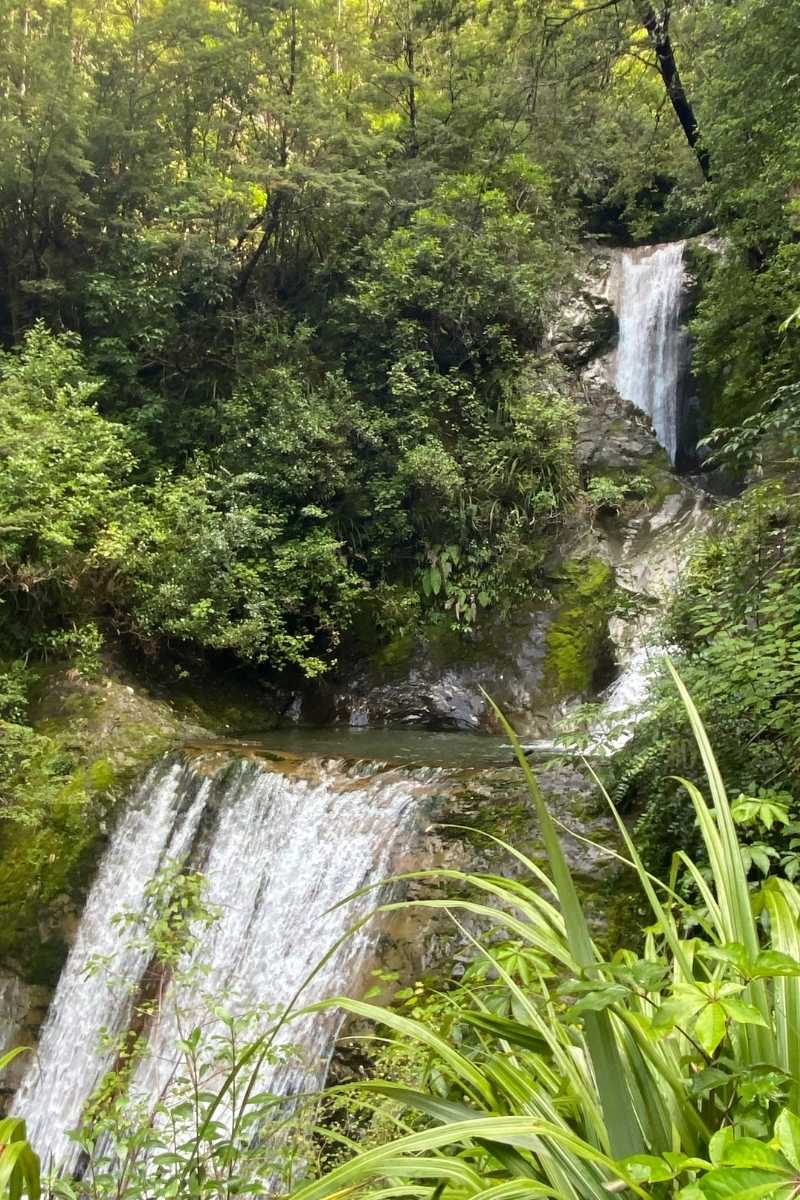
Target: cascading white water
pixel 283 852
pixel 280 851
pixel 647 561
pixel 645 286
pixel 72 1056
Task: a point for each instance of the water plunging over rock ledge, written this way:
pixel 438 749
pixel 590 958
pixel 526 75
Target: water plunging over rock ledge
pixel 281 840
pixel 651 360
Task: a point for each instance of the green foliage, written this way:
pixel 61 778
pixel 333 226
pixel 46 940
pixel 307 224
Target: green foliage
pixel 741 357
pixel 470 241
pixel 198 560
pixel 735 620
pixel 50 824
pixel 770 433
pixel 609 495
pixel 19 1165
pixel 663 1073
pixel 749 111
pixel 64 474
pixel 68 751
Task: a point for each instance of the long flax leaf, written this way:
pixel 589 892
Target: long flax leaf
pixel 783 905
pixel 625 1136
pixel 732 880
pixel 663 917
pixel 468 1074
pixel 521 1132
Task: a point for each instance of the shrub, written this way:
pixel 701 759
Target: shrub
pixel 648 1073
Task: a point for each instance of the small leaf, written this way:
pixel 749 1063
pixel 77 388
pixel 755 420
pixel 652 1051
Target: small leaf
pixel 787 1131
pixel 710 1026
pixel 597 1001
pixel 775 963
pixel 744 1014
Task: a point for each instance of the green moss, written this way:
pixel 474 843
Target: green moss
pixel 578 635
pixel 47 858
pixel 395 655
pixel 62 774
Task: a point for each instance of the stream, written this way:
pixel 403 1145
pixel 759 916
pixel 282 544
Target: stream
pixel 286 825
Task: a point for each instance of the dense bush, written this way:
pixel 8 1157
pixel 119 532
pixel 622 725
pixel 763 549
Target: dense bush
pixel 736 622
pixel 262 547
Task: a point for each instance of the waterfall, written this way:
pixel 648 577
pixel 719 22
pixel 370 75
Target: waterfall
pixel 73 1053
pixel 647 561
pixel 645 286
pixel 306 843
pixel 278 849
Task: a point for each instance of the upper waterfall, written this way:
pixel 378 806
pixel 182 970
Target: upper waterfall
pixel 645 286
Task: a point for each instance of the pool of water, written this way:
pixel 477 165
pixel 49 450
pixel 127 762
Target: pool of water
pixel 402 746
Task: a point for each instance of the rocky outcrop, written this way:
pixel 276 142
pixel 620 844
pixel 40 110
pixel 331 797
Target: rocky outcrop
pixel 22 1009
pixel 533 666
pixel 612 434
pixel 586 327
pixel 436 680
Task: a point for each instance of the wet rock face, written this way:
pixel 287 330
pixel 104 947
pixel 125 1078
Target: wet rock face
pixel 532 666
pixel 612 434
pixel 432 689
pixel 22 1009
pixel 586 327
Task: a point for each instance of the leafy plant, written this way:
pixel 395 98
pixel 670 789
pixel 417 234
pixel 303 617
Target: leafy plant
pixel 19 1164
pixel 638 1073
pixel 734 623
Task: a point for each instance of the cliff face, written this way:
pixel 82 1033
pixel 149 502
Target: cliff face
pixel 567 643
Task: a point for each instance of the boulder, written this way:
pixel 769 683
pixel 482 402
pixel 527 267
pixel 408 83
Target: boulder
pixel 585 327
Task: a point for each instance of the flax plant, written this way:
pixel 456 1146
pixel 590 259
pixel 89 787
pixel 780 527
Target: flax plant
pixel 637 1075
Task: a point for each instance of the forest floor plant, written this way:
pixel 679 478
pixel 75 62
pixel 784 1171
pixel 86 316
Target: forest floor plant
pixel 670 1072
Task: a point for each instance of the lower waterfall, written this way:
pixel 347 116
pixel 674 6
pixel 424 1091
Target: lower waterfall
pixel 645 286
pixel 73 1052
pixel 279 849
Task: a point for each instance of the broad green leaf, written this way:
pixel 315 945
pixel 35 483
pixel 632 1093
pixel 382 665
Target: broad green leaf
pixel 719 1144
pixel 738 1010
pixel 709 1027
pixel 747 1184
pixel 787 1131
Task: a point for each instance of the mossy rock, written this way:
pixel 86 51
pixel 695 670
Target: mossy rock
pixel 577 639
pixel 87 742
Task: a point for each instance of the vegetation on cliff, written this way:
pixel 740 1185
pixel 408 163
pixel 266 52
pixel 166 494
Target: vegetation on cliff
pixel 308 250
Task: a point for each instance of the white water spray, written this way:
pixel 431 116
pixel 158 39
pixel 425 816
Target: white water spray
pixel 285 851
pixel 280 851
pixel 645 286
pixel 73 1053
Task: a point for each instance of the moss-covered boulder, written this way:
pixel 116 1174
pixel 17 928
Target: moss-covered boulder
pixel 578 649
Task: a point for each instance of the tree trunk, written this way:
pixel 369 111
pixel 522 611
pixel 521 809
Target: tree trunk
pixel 657 27
pixel 408 51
